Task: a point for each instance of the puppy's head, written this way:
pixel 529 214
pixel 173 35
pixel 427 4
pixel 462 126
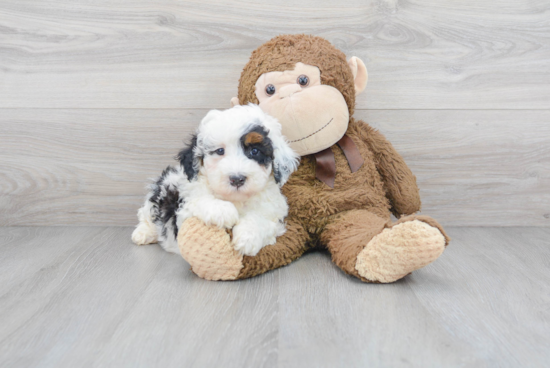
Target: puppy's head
pixel 238 151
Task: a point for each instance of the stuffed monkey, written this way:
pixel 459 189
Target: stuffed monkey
pixel 349 181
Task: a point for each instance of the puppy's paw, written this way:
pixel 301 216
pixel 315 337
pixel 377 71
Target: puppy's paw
pixel 144 234
pixel 247 241
pixel 223 215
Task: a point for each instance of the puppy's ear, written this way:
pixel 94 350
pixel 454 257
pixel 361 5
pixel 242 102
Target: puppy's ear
pixel 285 160
pixel 190 159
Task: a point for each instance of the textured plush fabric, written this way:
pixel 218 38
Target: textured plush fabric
pixel 344 218
pixel 399 250
pixel 428 220
pixel 312 202
pixel 209 251
pixel 348 234
pixel 321 110
pixel 289 247
pixel 351 220
pixel 283 52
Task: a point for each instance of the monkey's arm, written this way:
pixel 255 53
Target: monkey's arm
pixel 209 251
pixel 399 181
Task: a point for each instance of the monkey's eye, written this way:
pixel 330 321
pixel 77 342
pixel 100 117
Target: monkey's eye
pixel 270 89
pixel 220 151
pixel 302 80
pixel 254 151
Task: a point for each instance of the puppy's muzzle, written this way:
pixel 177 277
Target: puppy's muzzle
pixel 237 181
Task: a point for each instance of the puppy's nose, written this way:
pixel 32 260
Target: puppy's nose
pixel 237 180
pixel 289 90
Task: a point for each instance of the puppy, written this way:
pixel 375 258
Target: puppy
pixel 230 176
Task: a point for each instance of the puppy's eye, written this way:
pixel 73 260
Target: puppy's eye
pixel 220 151
pixel 254 151
pixel 303 80
pixel 270 89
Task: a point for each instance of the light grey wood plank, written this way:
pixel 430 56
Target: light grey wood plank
pixel 491 288
pixel 333 320
pixel 484 303
pixel 101 301
pixel 475 168
pixel 84 167
pixel 88 297
pixel 421 54
pixel 98 160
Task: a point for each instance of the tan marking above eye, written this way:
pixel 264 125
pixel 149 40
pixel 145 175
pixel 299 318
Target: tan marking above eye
pixel 253 137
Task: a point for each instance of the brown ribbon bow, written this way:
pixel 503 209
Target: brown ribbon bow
pixel 325 165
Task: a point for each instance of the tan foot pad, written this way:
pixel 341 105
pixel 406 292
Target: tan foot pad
pixel 399 250
pixel 209 251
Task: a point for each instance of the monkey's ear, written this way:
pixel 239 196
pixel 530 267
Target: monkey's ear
pixel 360 74
pixel 235 101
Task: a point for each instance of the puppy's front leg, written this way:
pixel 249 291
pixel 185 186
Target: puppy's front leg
pixel 254 232
pixel 212 211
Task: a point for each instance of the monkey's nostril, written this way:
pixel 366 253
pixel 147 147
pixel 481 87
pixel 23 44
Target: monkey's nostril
pixel 237 181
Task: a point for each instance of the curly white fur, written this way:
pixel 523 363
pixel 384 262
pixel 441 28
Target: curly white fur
pixel 202 186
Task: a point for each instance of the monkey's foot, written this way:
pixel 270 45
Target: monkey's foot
pixel 399 250
pixel 209 251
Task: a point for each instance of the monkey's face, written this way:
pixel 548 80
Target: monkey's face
pixel 313 116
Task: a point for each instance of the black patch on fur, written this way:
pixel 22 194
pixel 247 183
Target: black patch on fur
pixel 156 196
pixel 278 175
pixel 265 147
pixel 187 159
pixel 168 207
pixel 166 201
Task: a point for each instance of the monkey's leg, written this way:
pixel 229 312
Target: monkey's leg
pixel 211 255
pixel 374 250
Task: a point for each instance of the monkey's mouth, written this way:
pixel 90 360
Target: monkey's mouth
pixel 312 134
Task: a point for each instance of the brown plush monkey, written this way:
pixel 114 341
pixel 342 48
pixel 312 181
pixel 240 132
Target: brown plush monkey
pixel 349 181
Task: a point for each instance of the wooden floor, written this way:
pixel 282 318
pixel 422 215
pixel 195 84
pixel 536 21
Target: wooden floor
pixel 85 296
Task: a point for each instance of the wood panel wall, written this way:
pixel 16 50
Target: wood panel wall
pixel 97 96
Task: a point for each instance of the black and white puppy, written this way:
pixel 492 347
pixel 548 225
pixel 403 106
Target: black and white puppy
pixel 230 176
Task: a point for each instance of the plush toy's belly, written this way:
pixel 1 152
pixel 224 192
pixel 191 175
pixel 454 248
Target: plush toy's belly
pixel 313 203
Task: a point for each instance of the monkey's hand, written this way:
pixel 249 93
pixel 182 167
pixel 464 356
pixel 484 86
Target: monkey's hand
pixel 209 251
